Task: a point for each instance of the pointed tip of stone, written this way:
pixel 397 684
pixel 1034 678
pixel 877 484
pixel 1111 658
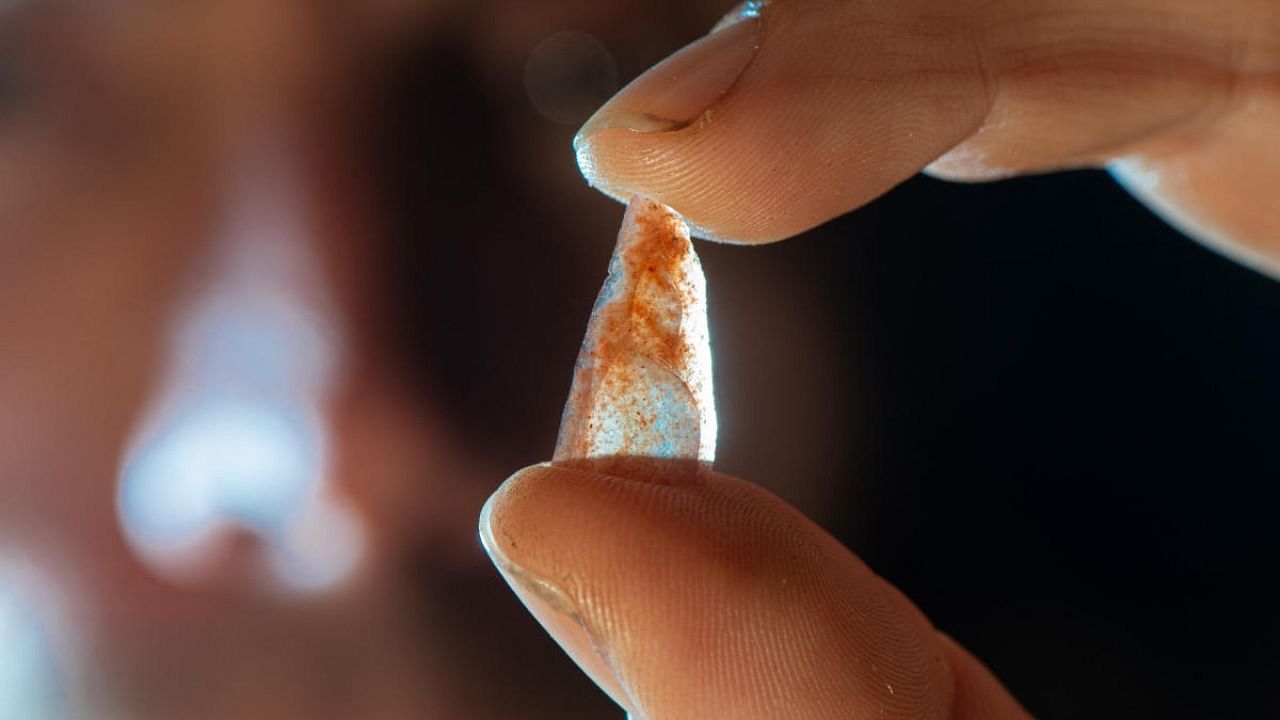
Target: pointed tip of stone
pixel 642 388
pixel 647 214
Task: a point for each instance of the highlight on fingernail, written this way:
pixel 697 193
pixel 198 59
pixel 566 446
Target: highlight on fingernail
pixel 748 10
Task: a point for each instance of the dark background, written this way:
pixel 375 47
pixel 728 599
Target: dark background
pixel 1068 418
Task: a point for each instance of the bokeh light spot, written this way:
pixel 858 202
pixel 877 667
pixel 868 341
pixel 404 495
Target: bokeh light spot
pixel 568 75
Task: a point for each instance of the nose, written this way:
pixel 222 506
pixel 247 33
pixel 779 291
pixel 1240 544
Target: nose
pixel 228 474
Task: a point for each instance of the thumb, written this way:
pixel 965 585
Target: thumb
pixel 714 599
pixel 796 111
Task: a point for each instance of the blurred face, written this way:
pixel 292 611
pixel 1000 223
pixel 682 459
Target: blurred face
pixel 121 126
pixel 173 180
pixel 232 237
pixel 129 131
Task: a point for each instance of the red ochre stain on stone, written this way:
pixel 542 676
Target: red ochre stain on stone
pixel 640 328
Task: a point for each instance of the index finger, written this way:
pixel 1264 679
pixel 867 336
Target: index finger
pixel 807 109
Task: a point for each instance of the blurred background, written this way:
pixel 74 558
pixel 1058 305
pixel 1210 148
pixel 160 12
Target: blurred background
pixel 287 288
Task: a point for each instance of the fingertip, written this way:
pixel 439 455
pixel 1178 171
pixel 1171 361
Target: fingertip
pixel 694 170
pixel 505 535
pixel 655 138
pixel 702 600
pixel 819 121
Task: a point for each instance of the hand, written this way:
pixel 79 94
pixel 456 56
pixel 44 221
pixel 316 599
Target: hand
pixel 715 599
pixel 773 125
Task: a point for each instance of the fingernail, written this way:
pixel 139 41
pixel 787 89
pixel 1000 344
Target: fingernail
pixel 555 611
pixel 677 91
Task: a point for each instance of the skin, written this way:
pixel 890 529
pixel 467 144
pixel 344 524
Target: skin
pixel 116 156
pixel 843 100
pixel 112 180
pixel 716 599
